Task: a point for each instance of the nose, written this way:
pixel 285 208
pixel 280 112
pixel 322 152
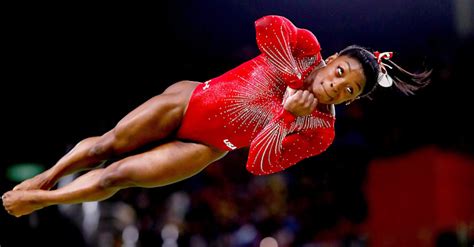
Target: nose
pixel 335 85
pixel 336 82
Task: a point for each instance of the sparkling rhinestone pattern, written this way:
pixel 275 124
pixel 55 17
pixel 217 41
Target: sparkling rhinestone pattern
pixel 243 107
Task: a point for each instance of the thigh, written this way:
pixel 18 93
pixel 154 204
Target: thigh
pixel 165 164
pixel 182 89
pixel 154 120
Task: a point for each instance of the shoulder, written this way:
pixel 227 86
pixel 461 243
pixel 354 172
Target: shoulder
pixel 304 39
pixel 272 19
pixel 307 42
pixel 275 23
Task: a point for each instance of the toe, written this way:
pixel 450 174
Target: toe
pixel 18 187
pixel 4 197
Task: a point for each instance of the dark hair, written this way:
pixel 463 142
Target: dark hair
pixel 407 82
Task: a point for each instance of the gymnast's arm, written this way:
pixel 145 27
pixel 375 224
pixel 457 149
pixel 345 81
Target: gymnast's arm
pixel 290 49
pixel 286 141
pixel 277 147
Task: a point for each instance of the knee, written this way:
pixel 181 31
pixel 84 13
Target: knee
pixel 109 180
pixel 114 178
pixel 99 151
pixel 103 148
pixel 110 144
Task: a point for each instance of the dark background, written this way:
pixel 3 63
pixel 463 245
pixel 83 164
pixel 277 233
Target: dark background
pixel 72 71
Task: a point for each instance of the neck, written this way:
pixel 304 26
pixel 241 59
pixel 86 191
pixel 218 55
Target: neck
pixel 329 109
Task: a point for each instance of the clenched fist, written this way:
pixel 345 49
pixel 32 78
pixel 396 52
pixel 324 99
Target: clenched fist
pixel 300 102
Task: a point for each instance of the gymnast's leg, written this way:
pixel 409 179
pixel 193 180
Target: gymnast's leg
pixel 165 164
pixel 152 121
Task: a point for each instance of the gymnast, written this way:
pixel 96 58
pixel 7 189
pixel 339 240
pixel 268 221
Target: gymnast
pixel 279 104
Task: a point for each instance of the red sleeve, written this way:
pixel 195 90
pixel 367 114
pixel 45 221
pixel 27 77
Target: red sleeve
pixel 277 147
pixel 288 48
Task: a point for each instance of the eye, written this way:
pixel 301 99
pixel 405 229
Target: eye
pixel 339 71
pixel 350 90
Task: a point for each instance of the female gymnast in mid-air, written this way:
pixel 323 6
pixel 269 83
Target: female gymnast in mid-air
pixel 280 104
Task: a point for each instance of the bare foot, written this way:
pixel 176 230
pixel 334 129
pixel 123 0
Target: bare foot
pixel 19 202
pixel 38 182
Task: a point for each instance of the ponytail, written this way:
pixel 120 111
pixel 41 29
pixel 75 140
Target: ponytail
pixel 381 71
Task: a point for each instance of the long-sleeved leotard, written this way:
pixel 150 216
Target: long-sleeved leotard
pixel 243 107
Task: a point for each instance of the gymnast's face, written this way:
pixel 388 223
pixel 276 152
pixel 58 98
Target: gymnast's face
pixel 340 81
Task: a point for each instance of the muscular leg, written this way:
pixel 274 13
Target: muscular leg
pixel 165 164
pixel 153 120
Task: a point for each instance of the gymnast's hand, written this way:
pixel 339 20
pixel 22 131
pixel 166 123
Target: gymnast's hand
pixel 300 102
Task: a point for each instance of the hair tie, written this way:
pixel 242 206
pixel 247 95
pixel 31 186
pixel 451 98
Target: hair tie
pixel 383 55
pixel 384 79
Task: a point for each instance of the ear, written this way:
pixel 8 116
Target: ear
pixel 332 57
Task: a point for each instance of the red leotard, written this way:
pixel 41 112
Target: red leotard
pixel 243 107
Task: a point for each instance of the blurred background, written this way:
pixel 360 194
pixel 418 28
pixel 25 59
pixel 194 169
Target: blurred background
pixel 400 172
